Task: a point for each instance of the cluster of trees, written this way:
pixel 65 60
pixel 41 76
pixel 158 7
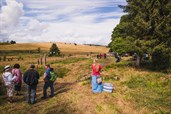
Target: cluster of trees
pixel 8 42
pixel 146 28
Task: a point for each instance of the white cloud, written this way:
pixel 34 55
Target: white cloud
pixel 10 15
pixel 72 31
pixel 67 21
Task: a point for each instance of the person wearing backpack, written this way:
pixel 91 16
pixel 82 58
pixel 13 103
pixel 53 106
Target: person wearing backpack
pixel 31 77
pixel 18 82
pixel 48 83
pixel 9 79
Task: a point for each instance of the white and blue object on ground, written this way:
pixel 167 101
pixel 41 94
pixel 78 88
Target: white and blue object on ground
pixel 107 87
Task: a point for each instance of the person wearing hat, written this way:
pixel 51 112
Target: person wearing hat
pixel 31 77
pixel 9 79
pixel 47 83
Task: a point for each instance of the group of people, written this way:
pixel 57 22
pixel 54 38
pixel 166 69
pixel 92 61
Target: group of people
pixel 99 56
pixel 13 81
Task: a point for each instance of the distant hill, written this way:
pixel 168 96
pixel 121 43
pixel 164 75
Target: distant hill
pixel 64 47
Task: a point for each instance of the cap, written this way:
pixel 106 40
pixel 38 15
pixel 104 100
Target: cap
pixel 32 66
pixel 7 67
pixel 48 65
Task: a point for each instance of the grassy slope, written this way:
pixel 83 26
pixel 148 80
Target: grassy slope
pixel 137 91
pixel 64 48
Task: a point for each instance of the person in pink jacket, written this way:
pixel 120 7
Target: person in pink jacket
pixel 18 82
pixel 9 79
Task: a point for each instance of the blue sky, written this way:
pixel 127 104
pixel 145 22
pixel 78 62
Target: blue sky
pixel 79 21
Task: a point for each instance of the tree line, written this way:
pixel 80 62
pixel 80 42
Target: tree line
pixel 145 28
pixel 8 42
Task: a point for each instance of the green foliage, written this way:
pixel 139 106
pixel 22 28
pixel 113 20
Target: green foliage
pixel 54 50
pixel 121 45
pixel 69 61
pixel 38 50
pixel 147 22
pixel 150 91
pixel 161 57
pixel 12 42
pixel 61 72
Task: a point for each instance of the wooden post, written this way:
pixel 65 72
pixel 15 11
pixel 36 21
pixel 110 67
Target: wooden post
pixel 41 60
pixel 38 61
pixel 44 59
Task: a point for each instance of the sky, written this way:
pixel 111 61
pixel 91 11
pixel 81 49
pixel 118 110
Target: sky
pixel 72 21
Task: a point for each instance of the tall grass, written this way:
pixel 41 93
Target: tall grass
pixel 152 91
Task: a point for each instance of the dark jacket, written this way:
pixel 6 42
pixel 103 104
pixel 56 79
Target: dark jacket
pixel 31 72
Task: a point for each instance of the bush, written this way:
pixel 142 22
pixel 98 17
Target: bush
pixel 161 57
pixel 61 72
pixel 54 50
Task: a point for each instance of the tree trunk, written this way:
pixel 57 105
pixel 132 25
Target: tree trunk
pixel 138 61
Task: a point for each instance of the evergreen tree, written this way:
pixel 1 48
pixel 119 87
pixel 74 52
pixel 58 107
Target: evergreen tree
pixel 54 50
pixel 147 24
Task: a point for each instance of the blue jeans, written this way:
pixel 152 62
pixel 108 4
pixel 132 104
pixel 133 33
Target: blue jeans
pixel 31 93
pixel 95 86
pixel 46 86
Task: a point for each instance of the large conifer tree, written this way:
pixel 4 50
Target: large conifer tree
pixel 147 25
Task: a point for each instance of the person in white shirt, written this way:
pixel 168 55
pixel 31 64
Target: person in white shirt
pixel 9 80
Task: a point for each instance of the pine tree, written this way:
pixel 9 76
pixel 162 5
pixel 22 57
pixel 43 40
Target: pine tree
pixel 54 50
pixel 148 25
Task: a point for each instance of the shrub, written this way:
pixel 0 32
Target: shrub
pixel 54 50
pixel 161 57
pixel 38 50
pixel 61 72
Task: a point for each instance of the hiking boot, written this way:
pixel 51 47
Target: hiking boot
pixel 33 102
pixel 43 97
pixel 51 95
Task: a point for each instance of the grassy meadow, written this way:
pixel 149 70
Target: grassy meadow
pixel 137 90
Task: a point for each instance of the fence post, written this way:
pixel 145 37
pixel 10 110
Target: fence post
pixel 41 60
pixel 38 61
pixel 44 59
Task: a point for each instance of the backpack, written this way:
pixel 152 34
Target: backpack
pixel 31 79
pixel 53 76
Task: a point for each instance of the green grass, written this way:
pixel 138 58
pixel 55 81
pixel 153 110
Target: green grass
pixel 121 64
pixel 68 61
pixel 61 72
pixel 151 91
pixel 143 89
